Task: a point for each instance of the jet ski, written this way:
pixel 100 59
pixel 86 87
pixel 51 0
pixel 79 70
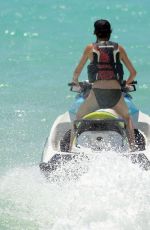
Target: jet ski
pixel 102 130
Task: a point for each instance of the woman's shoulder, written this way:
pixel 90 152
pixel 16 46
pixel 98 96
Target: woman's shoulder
pixel 122 51
pixel 121 48
pixel 89 48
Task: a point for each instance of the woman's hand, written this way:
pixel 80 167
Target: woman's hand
pixel 75 82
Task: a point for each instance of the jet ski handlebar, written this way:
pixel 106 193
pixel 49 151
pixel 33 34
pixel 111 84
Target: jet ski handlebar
pixel 81 87
pixel 85 86
pixel 130 88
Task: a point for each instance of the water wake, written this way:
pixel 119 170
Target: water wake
pixel 111 194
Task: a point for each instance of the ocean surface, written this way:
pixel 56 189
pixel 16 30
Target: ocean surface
pixel 40 44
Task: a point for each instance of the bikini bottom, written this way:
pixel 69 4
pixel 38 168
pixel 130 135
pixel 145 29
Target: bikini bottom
pixel 107 98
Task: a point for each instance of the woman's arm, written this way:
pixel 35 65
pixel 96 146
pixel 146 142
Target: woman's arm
pixel 128 64
pixel 81 64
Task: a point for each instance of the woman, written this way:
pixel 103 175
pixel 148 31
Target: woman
pixel 105 72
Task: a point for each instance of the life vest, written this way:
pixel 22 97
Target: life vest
pixel 106 63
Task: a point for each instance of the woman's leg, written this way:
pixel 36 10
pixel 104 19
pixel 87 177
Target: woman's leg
pixel 122 110
pixel 89 106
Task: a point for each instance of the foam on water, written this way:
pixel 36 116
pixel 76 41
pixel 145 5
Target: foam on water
pixel 113 194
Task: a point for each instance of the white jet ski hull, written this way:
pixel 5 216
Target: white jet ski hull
pixel 53 155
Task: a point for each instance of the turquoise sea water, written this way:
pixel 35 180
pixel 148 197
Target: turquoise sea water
pixel 41 43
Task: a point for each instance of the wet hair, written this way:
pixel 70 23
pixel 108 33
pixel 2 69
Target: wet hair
pixel 102 29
